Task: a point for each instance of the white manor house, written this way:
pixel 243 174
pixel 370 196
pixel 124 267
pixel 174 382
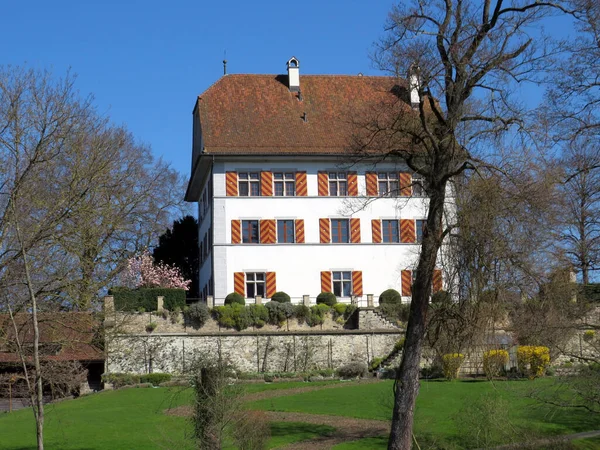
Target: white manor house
pixel 281 204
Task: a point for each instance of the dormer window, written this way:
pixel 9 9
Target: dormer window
pixel 293 68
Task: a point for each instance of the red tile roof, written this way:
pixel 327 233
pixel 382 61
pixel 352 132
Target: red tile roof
pixel 63 337
pixel 242 114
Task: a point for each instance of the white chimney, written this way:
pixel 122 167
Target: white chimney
pixel 414 85
pixel 293 68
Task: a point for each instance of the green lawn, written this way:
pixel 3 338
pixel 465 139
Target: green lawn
pixel 447 415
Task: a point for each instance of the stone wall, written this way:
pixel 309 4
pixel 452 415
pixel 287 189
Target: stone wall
pixel 247 351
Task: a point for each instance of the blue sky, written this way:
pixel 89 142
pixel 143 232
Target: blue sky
pixel 147 61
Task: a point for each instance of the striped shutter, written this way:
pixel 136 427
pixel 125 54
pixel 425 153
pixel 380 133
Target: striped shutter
pixel 406 283
pixel 437 280
pixel 324 231
pixel 407 231
pixel 376 230
pixel 236 231
pixel 326 281
pixel 301 186
pixel 266 184
pixel 323 181
pixel 267 232
pixel 372 188
pixel 352 184
pixel 299 231
pixel 355 230
pixel 239 282
pixel 405 184
pixel 231 184
pixel 271 284
pixel 357 284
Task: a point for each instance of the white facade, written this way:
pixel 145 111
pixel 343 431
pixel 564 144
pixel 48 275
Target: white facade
pixel 298 266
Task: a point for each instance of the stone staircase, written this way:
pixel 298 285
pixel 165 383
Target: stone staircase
pixel 370 319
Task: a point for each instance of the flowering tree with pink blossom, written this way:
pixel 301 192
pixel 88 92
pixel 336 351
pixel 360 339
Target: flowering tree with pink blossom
pixel 141 271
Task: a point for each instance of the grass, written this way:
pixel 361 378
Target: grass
pixel 445 409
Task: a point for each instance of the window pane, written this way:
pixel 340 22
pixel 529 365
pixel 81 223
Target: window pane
pixel 342 188
pixel 394 187
pixel 279 189
pixel 289 176
pixel 243 189
pixel 255 189
pixel 289 188
pixel 260 289
pixel 332 175
pixel 249 277
pixel 337 289
pixel 344 227
pixel 243 175
pixel 260 277
pixel 333 189
pixel 250 290
pixel 347 289
pixel 278 176
pixel 383 187
pixel 337 275
pixel 346 275
pixel 254 176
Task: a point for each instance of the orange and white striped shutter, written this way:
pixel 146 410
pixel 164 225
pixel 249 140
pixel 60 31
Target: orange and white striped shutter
pixel 326 281
pixel 231 184
pixel 236 231
pixel 437 280
pixel 323 182
pixel 324 231
pixel 406 278
pixel 376 231
pixel 357 284
pixel 407 231
pixel 355 230
pixel 301 186
pixel 405 184
pixel 266 184
pixel 352 184
pixel 299 231
pixel 372 188
pixel 271 284
pixel 267 231
pixel 239 283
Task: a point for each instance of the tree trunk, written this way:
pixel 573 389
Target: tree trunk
pixel 406 385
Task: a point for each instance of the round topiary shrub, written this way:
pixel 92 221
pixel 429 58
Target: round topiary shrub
pixel 281 297
pixel 197 313
pixel 326 298
pixel 234 297
pixel 441 298
pixel 390 296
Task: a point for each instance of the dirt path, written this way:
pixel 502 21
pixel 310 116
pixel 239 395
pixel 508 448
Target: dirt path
pixel 346 429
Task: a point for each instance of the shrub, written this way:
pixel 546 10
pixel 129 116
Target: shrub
pixel 151 327
pixel 533 360
pixel 155 378
pixel 494 362
pixel 279 312
pixel 251 430
pixel 339 309
pixel 352 370
pixel 395 312
pixel 174 315
pixel 258 314
pixel 269 378
pixel 390 296
pixel 302 313
pixel 134 299
pixel 451 363
pixel 281 297
pixel 327 298
pixel 349 311
pixel 441 297
pixel 197 313
pixel 234 297
pixel 375 363
pixel 317 314
pixel 118 380
pixel 433 371
pixel 224 316
pixel 241 317
pixel 399 345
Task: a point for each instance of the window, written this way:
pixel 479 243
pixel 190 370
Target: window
pixel 388 183
pixel 249 184
pixel 390 231
pixel 250 232
pixel 285 231
pixel 285 184
pixel 420 227
pixel 255 284
pixel 342 284
pixel 340 230
pixel 418 187
pixel 338 184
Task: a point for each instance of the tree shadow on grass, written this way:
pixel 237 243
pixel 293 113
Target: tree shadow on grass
pixel 289 432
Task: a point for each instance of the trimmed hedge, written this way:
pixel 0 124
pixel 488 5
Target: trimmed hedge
pixel 146 298
pixel 234 297
pixel 327 298
pixel 390 296
pixel 281 297
pixel 441 298
pixel 118 380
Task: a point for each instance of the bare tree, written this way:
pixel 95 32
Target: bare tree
pixel 76 197
pixel 463 57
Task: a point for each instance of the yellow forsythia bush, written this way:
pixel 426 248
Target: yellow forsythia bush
pixel 533 360
pixel 451 364
pixel 493 362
